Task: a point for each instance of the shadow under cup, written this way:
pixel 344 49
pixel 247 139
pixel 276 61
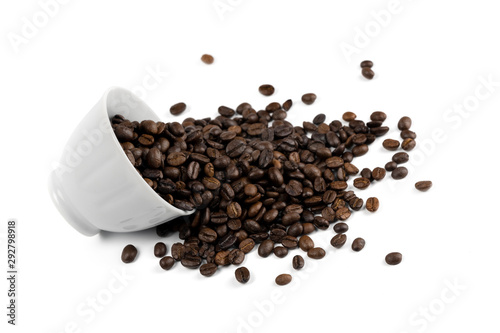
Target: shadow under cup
pixel 95 187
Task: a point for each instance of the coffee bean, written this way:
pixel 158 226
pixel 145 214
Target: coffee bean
pixel 236 256
pixel 319 119
pixel 191 261
pixel 378 173
pixel 393 258
pixel 247 245
pixel 167 262
pixel 366 63
pixel 361 183
pixel 225 111
pixel 234 210
pixel 266 89
pixel 372 204
pixel 423 185
pixel 400 158
pixel 360 150
pixel 207 235
pixel 358 244
pixel 338 241
pixel 280 251
pixel 390 144
pixel 298 262
pixel 378 116
pixel 207 59
pixel 283 279
pixel 399 173
pixel 349 116
pixel 340 228
pixel 287 105
pixel 367 73
pixel 316 253
pixel 407 134
pixel 342 213
pixel 178 108
pixel 129 253
pixel 160 250
pixel 266 248
pixel 176 159
pixel 308 99
pixel 404 123
pixel 408 144
pixel 391 166
pixel 290 242
pixel 178 251
pixel 242 274
pixel 222 258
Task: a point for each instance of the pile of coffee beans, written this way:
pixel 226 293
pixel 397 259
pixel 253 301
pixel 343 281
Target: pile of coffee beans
pixel 254 180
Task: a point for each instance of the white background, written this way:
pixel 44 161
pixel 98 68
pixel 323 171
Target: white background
pixel 429 56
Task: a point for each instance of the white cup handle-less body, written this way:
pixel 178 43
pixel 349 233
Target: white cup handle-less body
pixel 95 187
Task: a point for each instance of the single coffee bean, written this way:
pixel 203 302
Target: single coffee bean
pixel 207 59
pixel 234 210
pixel 361 183
pixel 283 279
pixel 407 134
pixel 306 243
pixel 160 250
pixel 340 228
pixel 280 251
pixel 222 258
pixel 393 258
pixel 298 262
pixel 408 144
pixel 349 116
pixel 338 241
pixel 378 173
pixel 366 63
pixel 423 185
pixel 358 244
pixel 167 262
pixel 316 253
pixel 242 274
pixel 391 166
pixel 367 73
pixel 191 261
pixel 287 105
pixel 404 123
pixel 308 99
pixel 360 150
pixel 390 144
pixel 266 248
pixel 400 158
pixel 399 173
pixel 176 159
pixel 372 204
pixel 129 253
pixel 290 242
pixel 247 245
pixel 319 119
pixel 225 111
pixel 207 235
pixel 208 269
pixel 378 116
pixel 266 89
pixel 178 108
pixel 236 256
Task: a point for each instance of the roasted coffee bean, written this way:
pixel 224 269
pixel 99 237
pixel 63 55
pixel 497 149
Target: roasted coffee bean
pixel 321 223
pixel 342 213
pixel 390 144
pixel 361 183
pixel 372 204
pixel 146 140
pixel 308 98
pixel 393 258
pixel 316 253
pixel 191 261
pixel 160 250
pixel 366 63
pixel 308 227
pixel 178 251
pixel 356 203
pixel 225 111
pixel 280 251
pixel 404 123
pixel 207 59
pixel 366 173
pixel 379 131
pixel 242 274
pixel 266 248
pixel 287 105
pixel 208 269
pixel 320 118
pixel 295 229
pixel 391 166
pixel 399 173
pixel 129 253
pixel 358 244
pixel 338 241
pixel 123 133
pixel 378 173
pixel 378 116
pixel 247 245
pixel 176 159
pixel 349 116
pixel 222 258
pixel 290 242
pixel 360 150
pixel 329 196
pixel 266 89
pixel 207 235
pixel 328 214
pixel 408 144
pixel 351 169
pixel 423 185
pixel 306 243
pixel 236 256
pixel 178 108
pixel 407 134
pixel 283 279
pixel 367 73
pixel 340 228
pixel 167 262
pixel 298 262
pixel 400 158
pixel 234 210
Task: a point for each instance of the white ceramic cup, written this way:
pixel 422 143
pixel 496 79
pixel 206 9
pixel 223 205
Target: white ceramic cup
pixel 95 187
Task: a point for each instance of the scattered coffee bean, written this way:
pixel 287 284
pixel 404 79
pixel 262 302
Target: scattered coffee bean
pixel 408 144
pixel 266 89
pixel 338 241
pixel 283 279
pixel 266 248
pixel 316 253
pixel 390 144
pixel 400 158
pixel 306 243
pixel 280 251
pixel 404 123
pixel 378 173
pixel 167 262
pixel 391 166
pixel 393 258
pixel 298 262
pixel 242 274
pixel 367 73
pixel 178 108
pixel 366 63
pixel 340 228
pixel 358 244
pixel 160 250
pixel 423 185
pixel 208 269
pixel 129 253
pixel 399 173
pixel 372 204
pixel 207 59
pixel 349 116
pixel 308 99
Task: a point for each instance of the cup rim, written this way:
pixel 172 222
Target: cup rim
pixel 148 189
